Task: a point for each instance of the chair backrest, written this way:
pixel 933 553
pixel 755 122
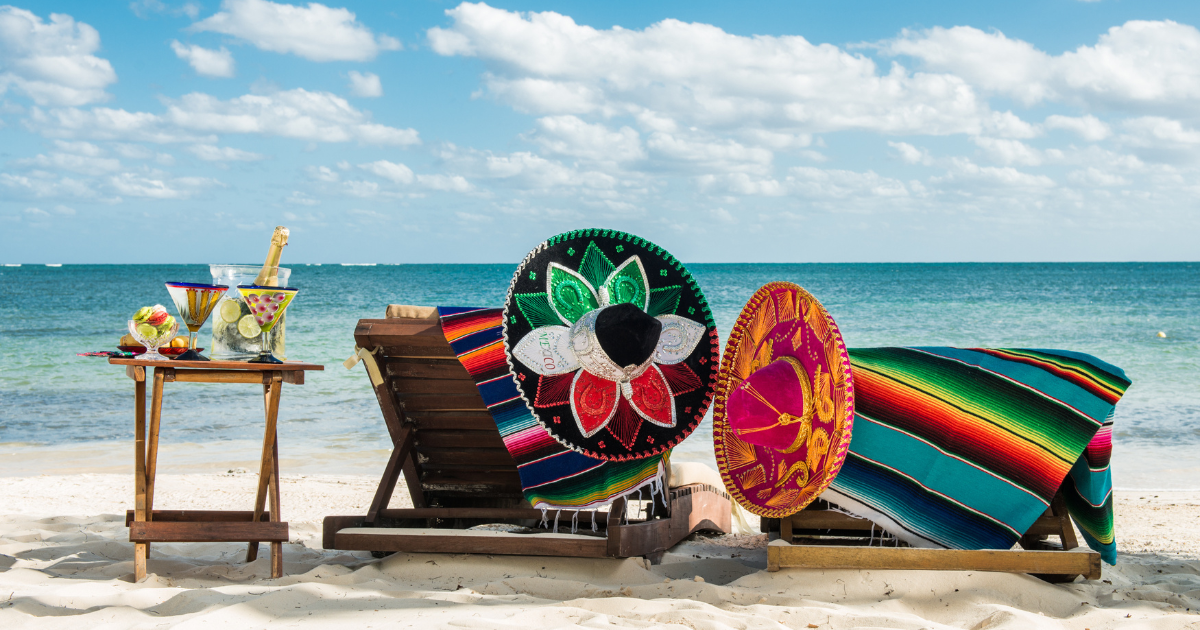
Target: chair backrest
pixel 457 456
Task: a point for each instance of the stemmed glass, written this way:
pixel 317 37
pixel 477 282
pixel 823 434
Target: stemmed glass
pixel 267 305
pixel 150 337
pixel 195 302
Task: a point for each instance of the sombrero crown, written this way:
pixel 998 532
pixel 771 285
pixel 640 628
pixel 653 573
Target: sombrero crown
pixel 784 405
pixel 612 344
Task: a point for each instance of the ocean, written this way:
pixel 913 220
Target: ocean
pixel 61 413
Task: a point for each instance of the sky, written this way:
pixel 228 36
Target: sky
pixel 441 132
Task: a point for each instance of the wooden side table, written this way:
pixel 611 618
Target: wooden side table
pixel 147 525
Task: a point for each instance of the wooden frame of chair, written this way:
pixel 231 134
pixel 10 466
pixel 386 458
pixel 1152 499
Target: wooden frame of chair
pixel 459 474
pixel 819 537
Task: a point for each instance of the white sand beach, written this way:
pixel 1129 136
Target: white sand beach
pixel 65 561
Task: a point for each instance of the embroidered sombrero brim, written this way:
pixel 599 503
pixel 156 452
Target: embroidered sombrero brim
pixel 784 403
pixel 612 344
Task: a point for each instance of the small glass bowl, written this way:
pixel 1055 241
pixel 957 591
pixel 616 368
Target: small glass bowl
pixel 153 343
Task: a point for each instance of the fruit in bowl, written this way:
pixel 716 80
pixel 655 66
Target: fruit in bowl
pixel 151 327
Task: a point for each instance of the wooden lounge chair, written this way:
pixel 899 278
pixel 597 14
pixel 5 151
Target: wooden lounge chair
pixel 819 537
pixel 459 474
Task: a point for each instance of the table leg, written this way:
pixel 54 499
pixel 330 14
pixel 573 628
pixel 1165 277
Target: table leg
pixel 156 395
pixel 276 516
pixel 140 550
pixel 272 387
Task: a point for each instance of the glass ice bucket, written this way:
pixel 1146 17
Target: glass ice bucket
pixel 234 337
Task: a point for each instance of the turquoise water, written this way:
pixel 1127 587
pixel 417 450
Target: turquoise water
pixel 57 409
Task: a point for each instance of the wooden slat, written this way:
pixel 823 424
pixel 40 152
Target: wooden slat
pixel 462 541
pixel 482 478
pixel 461 439
pixel 453 421
pixel 428 350
pixel 430 458
pixel 199 516
pixel 370 333
pixel 412 386
pixel 425 368
pixel 207 532
pixel 217 376
pixel 827 519
pixel 445 402
pixel 1082 563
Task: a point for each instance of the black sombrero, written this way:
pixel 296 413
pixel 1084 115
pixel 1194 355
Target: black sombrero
pixel 611 342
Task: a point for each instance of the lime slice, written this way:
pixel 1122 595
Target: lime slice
pixel 248 327
pixel 230 310
pixel 147 331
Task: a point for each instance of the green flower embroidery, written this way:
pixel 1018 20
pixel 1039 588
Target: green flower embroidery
pixel 662 272
pixel 512 319
pixel 691 310
pixel 533 275
pixel 570 251
pixel 620 248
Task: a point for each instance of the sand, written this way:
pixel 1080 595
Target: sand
pixel 65 561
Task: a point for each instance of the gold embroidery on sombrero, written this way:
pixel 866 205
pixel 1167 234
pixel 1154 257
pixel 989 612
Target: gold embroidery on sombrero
pixel 785 306
pixel 818 444
pixel 738 453
pixel 824 401
pixel 798 467
pixel 753 477
pixel 784 498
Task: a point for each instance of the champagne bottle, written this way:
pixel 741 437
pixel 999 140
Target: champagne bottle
pixel 269 276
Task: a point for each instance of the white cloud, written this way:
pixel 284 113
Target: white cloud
pixel 1087 127
pixel 192 118
pixel 1007 151
pixel 158 185
pixel 209 63
pixel 569 135
pixel 447 183
pixel 395 172
pixel 298 113
pixel 82 164
pixel 103 123
pixel 713 154
pixel 1139 65
pixel 51 62
pixel 315 32
pixel 698 74
pixel 323 173
pixel 911 154
pixel 964 171
pixel 365 84
pixel 300 199
pixel 212 153
pixel 1092 176
pixel 808 182
pixel 46 185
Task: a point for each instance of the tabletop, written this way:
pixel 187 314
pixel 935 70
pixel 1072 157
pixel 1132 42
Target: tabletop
pixel 286 366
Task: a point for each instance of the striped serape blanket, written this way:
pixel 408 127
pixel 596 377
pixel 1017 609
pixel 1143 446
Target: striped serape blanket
pixel 553 477
pixel 966 448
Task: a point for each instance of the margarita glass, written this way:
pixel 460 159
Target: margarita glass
pixel 195 303
pixel 266 305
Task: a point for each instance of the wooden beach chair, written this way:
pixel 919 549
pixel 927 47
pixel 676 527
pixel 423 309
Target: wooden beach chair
pixel 820 537
pixel 458 473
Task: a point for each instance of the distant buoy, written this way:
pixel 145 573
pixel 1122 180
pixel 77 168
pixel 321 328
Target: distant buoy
pixel 1162 334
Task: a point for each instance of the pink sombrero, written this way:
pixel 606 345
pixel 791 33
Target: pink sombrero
pixel 784 403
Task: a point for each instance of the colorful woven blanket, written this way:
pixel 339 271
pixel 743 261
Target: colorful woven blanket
pixel 965 448
pixel 552 475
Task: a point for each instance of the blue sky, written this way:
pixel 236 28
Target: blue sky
pixel 458 132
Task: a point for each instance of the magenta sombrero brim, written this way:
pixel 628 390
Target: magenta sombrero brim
pixel 783 322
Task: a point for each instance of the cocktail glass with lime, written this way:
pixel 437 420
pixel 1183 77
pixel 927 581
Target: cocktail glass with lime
pixel 267 305
pixel 228 341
